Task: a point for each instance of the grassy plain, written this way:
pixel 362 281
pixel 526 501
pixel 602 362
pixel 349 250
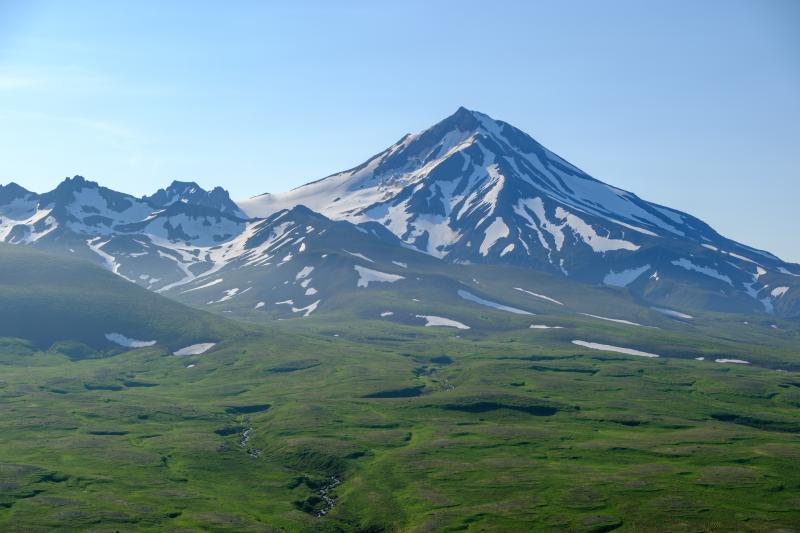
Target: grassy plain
pixel 426 429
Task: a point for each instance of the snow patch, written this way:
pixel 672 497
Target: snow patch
pixel 307 310
pixel 617 320
pixel 688 265
pixel 195 349
pixel 488 303
pixel 625 277
pixel 672 313
pixel 734 361
pixel 360 256
pixel 122 340
pixel 367 276
pixel 496 231
pixel 304 272
pixel 431 320
pixel 209 284
pixel 610 348
pixel 542 296
pixel 777 292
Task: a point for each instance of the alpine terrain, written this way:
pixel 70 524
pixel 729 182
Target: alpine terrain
pixel 464 333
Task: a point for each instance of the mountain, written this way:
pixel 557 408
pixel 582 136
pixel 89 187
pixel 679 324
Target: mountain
pixel 188 192
pixel 152 241
pixel 472 189
pixel 48 299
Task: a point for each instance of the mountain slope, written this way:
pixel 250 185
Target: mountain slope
pixel 153 241
pixel 46 299
pixel 469 190
pixel 473 189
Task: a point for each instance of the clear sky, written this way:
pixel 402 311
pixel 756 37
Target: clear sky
pixel 692 104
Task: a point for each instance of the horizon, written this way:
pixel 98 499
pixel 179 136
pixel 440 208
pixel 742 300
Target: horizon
pixel 124 96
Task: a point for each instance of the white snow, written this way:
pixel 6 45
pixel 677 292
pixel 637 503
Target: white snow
pixel 304 272
pixel 625 277
pixel 195 349
pixel 209 284
pixel 734 361
pixel 635 228
pixel 259 305
pixel 307 310
pixel 542 296
pixel 122 340
pixel 96 245
pixel 360 256
pixel 610 348
pixel 542 326
pixel 367 276
pixel 230 293
pixel 496 231
pixel 488 303
pixel 387 313
pixel 432 320
pixel 617 320
pixel 672 313
pixel 688 265
pixel 588 234
pixel 400 264
pixel 777 292
pixel 699 358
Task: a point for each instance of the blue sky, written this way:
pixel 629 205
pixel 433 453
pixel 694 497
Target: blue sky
pixel 692 104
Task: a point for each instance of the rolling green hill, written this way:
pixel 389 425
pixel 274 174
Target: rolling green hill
pixel 49 299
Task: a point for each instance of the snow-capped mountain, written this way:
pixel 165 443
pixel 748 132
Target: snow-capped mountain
pixel 469 190
pixel 154 240
pixel 475 189
pixel 188 192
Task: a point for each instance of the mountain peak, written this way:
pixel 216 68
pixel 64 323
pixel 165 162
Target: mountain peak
pixel 76 182
pixel 183 185
pixel 463 120
pixel 12 191
pixel 190 192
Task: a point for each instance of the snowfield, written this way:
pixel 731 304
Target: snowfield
pixel 610 348
pixel 617 320
pixel 431 320
pixel 625 277
pixel 542 296
pixel 127 342
pixel 367 276
pixel 195 349
pixel 488 303
pixel 672 313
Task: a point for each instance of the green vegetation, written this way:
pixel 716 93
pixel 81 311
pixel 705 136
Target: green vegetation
pixel 48 299
pixel 504 432
pixel 346 421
